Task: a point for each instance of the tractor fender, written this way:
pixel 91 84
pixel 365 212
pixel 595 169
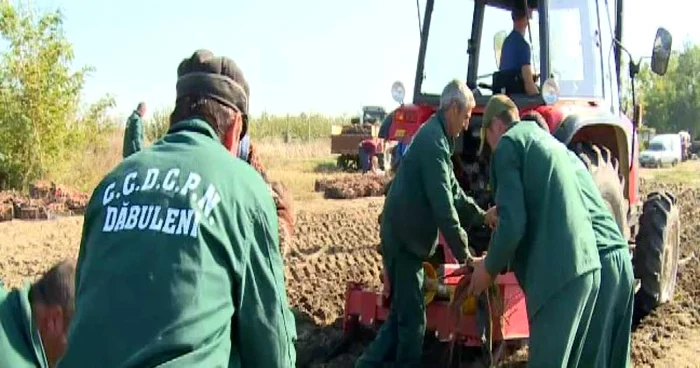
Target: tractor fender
pixel 603 129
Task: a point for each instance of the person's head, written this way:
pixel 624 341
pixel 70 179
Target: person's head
pixel 537 118
pixel 141 109
pixel 456 103
pixel 52 300
pixel 520 15
pixel 213 89
pixel 499 113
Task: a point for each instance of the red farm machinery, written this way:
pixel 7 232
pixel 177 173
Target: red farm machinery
pixel 576 55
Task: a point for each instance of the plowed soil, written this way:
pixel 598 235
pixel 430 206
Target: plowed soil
pixel 670 336
pixel 335 242
pixel 353 186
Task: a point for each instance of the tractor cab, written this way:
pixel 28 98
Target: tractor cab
pixel 570 47
pixel 574 51
pixel 373 114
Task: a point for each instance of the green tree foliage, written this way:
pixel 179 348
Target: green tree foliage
pixel 40 120
pixel 157 125
pixel 672 102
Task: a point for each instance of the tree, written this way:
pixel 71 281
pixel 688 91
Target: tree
pixel 672 102
pixel 40 119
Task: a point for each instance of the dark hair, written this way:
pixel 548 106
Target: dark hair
pixel 140 105
pixel 519 10
pixel 56 287
pixel 536 117
pixel 213 112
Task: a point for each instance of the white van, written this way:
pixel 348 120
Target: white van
pixel 664 149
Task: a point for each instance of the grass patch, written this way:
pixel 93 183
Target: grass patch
pixel 84 170
pixel 298 165
pixel 685 173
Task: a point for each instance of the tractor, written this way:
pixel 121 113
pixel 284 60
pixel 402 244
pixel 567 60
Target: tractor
pixel 370 115
pixel 576 49
pixel 346 139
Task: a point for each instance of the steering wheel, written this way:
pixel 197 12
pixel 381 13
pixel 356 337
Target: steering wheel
pixel 535 79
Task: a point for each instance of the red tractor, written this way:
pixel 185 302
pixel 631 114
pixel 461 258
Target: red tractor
pixel 576 47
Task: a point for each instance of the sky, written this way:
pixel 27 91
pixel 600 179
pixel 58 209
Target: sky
pixel 312 56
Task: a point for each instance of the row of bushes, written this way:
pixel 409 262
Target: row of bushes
pixel 302 127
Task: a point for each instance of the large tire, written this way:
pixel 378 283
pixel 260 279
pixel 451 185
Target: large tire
pixel 604 168
pixel 657 252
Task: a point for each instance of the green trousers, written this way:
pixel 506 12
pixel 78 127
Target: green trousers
pixel 608 340
pixel 558 329
pixel 400 339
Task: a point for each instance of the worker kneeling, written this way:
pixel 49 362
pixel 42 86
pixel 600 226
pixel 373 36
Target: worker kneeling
pixel 423 198
pixel 34 319
pixel 544 231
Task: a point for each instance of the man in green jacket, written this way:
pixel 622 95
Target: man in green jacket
pixel 34 319
pixel 133 133
pixel 423 198
pixel 179 263
pixel 608 339
pixel 544 232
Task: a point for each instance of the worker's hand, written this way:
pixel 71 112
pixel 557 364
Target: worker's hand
pixel 480 279
pixel 491 217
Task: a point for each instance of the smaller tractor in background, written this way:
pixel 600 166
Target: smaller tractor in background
pixel 370 115
pixel 346 139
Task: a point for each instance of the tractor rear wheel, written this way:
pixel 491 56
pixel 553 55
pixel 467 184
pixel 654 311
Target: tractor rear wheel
pixel 604 168
pixel 657 252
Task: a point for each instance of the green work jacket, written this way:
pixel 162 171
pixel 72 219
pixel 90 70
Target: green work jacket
pixel 20 342
pixel 133 135
pixel 179 263
pixel 425 197
pixel 544 228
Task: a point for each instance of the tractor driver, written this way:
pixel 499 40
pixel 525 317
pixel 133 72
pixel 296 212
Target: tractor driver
pixel 423 198
pixel 515 53
pixel 179 262
pixel 544 231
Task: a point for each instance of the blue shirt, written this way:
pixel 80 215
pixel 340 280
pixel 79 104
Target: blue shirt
pixel 515 52
pixel 244 148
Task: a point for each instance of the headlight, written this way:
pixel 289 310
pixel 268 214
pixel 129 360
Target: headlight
pixel 550 91
pixel 398 92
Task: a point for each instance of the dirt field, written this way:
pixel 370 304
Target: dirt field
pixel 335 243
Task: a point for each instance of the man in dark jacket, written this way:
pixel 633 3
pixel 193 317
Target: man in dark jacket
pixel 179 262
pixel 34 319
pixel 133 133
